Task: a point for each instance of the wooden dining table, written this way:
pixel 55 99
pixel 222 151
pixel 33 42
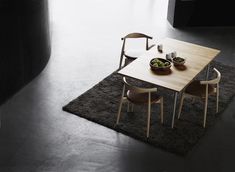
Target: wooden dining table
pixel 197 58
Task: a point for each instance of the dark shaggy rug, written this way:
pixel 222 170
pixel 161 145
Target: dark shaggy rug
pixel 100 104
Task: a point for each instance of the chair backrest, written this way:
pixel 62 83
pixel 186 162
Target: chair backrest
pixel 215 80
pixel 137 35
pixel 137 89
pixel 131 36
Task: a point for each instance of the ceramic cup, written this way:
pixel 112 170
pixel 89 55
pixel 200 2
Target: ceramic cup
pixel 160 47
pixel 169 56
pixel 173 54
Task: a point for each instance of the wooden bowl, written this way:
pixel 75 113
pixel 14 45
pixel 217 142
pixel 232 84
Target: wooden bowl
pixel 160 64
pixel 178 61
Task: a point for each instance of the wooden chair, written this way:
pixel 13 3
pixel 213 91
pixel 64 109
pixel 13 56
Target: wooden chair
pixel 202 89
pixel 137 95
pixel 132 54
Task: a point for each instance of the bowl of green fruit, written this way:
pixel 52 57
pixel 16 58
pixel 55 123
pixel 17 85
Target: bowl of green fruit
pixel 160 64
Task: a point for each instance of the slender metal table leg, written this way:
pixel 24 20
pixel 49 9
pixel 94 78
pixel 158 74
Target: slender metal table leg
pixel 207 71
pixel 173 116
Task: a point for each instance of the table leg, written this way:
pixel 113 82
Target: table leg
pixel 173 116
pixel 207 71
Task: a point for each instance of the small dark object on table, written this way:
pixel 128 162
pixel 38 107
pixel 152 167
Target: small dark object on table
pixel 177 61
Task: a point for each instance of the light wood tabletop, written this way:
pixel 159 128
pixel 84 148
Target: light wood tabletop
pixel 197 58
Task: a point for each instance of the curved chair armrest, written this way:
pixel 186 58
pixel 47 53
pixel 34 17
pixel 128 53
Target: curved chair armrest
pixel 213 81
pixel 148 89
pixel 138 89
pixel 143 90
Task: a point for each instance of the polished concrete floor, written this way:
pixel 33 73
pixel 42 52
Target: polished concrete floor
pixel 37 136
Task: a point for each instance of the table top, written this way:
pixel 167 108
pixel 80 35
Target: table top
pixel 197 58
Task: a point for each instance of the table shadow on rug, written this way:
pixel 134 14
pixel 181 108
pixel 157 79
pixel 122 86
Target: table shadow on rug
pixel 100 104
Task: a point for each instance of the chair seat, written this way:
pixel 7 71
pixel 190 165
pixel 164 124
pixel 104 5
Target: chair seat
pixel 199 90
pixel 141 98
pixel 133 54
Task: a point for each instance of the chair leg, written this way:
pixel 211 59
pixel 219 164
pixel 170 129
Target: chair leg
pixel 217 105
pixel 126 62
pixel 161 101
pixel 149 113
pixel 119 111
pixel 217 99
pixel 121 59
pixel 120 105
pixel 181 104
pixel 128 106
pixel 122 53
pixel 132 107
pixel 205 111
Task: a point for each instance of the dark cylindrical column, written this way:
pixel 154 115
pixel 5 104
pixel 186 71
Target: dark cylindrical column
pixel 24 43
pixel 180 12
